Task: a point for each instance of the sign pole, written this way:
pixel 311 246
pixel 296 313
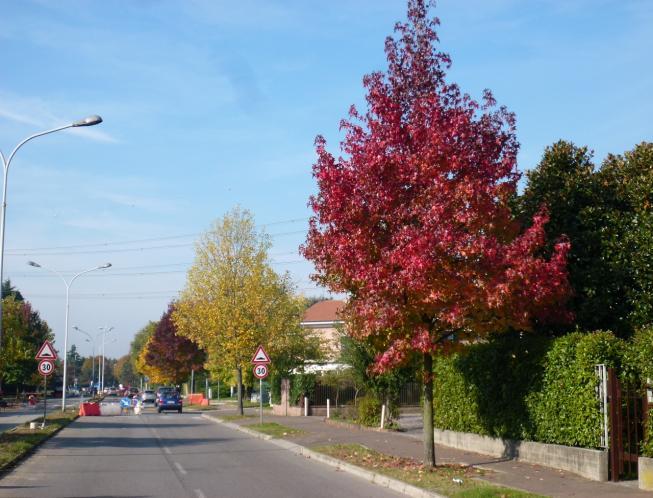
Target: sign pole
pixel 45 398
pixel 260 400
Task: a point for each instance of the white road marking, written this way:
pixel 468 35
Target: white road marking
pixel 199 493
pixel 180 469
pixel 167 450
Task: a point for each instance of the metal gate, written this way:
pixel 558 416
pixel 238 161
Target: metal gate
pixel 627 409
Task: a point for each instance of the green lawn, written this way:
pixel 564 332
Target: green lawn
pixel 275 430
pixel 14 444
pixel 451 480
pixel 230 418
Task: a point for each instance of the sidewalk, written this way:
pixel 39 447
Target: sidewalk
pixel 533 478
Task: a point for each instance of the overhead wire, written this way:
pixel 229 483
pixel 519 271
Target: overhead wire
pixel 150 239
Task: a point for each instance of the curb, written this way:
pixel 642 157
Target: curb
pixel 373 477
pixel 12 464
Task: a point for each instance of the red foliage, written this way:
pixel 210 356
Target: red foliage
pixel 414 222
pixel 173 355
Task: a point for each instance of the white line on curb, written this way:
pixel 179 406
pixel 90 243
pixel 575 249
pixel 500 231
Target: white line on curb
pixel 180 468
pixel 167 450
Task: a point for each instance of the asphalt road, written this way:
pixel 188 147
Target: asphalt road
pixel 173 455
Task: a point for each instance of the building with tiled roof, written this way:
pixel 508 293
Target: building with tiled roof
pixel 322 319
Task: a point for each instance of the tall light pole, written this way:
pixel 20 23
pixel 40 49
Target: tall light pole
pixel 105 332
pixel 89 121
pixel 92 341
pixel 65 337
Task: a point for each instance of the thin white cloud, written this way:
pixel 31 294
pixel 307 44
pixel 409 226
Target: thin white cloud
pixel 37 113
pixel 95 135
pixel 18 118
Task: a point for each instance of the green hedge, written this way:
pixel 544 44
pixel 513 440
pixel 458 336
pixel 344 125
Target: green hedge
pixel 639 362
pixel 525 386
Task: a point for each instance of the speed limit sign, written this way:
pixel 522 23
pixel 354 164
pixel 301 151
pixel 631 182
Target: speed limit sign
pixel 46 367
pixel 261 371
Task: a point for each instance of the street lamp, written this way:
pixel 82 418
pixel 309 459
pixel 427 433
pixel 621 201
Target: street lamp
pixel 104 331
pixel 89 121
pixel 104 343
pixel 92 341
pixel 65 337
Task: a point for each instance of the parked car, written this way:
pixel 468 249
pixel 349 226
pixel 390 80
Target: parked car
pixel 148 397
pixel 161 391
pixel 170 400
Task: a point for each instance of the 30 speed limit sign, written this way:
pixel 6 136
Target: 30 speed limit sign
pixel 261 371
pixel 46 367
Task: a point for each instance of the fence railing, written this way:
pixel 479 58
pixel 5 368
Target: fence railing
pixel 337 396
pixel 409 395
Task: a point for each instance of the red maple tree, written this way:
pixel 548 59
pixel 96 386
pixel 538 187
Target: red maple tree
pixel 172 355
pixel 414 223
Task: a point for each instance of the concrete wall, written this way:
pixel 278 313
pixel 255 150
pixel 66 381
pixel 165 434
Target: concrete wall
pixel 287 411
pixel 284 409
pixel 591 464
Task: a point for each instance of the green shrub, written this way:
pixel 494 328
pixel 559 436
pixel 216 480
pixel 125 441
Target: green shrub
pixel 369 411
pixel 301 385
pixel 566 408
pixel 638 367
pixel 638 358
pixel 483 390
pixel 526 386
pixel 646 448
pixel 275 388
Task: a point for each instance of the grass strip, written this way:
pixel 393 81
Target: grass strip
pixel 16 444
pixel 231 418
pixel 457 481
pixel 275 430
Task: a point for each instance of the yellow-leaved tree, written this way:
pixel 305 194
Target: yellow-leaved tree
pixel 234 300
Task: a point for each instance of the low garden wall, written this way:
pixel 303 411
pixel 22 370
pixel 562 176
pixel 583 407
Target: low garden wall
pixel 588 463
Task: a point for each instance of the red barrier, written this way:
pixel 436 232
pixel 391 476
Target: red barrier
pixel 204 402
pixel 89 410
pixel 194 399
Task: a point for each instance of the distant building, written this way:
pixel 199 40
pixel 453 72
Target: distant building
pixel 323 320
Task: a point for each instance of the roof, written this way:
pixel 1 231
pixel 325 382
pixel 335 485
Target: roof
pixel 324 311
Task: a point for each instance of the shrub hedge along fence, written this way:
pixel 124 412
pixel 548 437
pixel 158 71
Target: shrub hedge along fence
pixel 529 387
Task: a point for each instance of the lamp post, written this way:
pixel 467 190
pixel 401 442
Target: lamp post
pixel 92 341
pixel 104 331
pixel 89 121
pixel 104 343
pixel 65 337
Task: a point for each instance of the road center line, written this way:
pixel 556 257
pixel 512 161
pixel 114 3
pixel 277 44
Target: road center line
pixel 167 450
pixel 180 469
pixel 199 493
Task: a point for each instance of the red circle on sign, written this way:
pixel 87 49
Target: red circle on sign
pixel 260 371
pixel 46 367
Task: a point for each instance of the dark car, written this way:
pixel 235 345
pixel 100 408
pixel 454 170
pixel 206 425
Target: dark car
pixel 161 391
pixel 169 400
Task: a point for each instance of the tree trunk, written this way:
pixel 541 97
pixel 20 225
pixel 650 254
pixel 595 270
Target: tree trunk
pixel 239 372
pixel 429 444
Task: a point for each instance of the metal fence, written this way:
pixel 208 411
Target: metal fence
pixel 409 395
pixel 337 396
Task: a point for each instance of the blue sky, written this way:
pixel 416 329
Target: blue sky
pixel 212 104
